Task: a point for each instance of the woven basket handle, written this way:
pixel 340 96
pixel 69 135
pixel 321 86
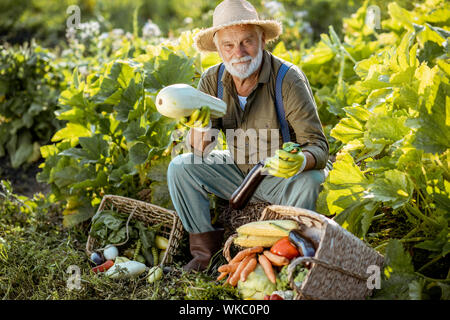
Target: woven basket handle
pixel 323 263
pixel 227 246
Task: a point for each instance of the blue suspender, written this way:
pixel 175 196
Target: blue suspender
pixel 219 81
pixel 279 102
pixel 284 127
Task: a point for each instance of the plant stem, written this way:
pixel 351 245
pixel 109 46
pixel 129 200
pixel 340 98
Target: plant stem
pixel 413 231
pixel 416 239
pixel 429 263
pixel 420 215
pixel 427 205
pixel 379 216
pixel 432 279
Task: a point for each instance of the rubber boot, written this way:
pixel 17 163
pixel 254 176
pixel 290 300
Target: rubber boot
pixel 203 246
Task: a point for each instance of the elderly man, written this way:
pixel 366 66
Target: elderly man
pixel 248 86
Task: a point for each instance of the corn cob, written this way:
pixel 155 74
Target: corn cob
pixel 278 228
pixel 244 240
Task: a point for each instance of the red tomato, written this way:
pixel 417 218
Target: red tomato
pixel 274 296
pixel 285 248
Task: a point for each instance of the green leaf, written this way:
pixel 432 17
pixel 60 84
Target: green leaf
pixel 401 16
pixel 75 153
pixel 65 176
pixel 71 131
pixel 396 287
pixel 128 100
pixel 347 129
pixel 158 169
pixel 98 181
pixel 117 236
pixel 139 153
pixel 415 289
pixel 445 289
pixel 320 55
pixel 360 114
pixel 389 127
pixel 113 222
pixel 134 131
pixel 23 152
pixel 433 131
pixel 393 187
pixel 398 260
pixel 82 213
pixel 344 185
pixel 169 68
pixel 73 98
pixel 440 245
pixel 95 147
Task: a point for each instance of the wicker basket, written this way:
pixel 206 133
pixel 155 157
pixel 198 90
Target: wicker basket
pixel 338 269
pixel 149 214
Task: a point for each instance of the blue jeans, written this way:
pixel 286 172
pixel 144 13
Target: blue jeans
pixel 190 178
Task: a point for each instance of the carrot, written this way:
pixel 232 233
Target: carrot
pixel 248 269
pixel 236 275
pixel 267 266
pixel 221 276
pixel 230 275
pixel 276 260
pixel 231 267
pixel 246 252
pixel 103 267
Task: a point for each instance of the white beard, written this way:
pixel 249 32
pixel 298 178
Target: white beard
pixel 243 71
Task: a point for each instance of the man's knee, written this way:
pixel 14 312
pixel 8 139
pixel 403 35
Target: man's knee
pixel 312 178
pixel 178 165
pixel 303 193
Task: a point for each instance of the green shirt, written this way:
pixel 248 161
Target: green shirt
pixel 260 113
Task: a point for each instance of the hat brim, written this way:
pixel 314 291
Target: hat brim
pixel 204 39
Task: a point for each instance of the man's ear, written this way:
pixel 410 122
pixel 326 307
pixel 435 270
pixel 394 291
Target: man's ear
pixel 263 40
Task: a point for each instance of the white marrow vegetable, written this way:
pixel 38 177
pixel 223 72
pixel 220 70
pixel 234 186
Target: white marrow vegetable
pixel 110 252
pixel 128 269
pixel 121 259
pixel 180 100
pixel 154 274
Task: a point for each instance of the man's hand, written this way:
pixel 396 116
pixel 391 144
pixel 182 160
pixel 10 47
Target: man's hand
pixel 287 161
pixel 200 118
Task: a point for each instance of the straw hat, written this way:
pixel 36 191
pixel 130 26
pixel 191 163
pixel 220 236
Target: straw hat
pixel 235 12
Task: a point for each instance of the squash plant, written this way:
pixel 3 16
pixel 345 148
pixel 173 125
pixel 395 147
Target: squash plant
pixel 114 139
pixel 29 87
pixel 394 161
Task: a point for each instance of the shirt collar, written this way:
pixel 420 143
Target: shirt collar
pixel 264 75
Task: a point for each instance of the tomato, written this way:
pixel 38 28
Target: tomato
pixel 285 248
pixel 273 296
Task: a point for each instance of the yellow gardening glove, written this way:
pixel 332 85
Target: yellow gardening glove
pixel 287 161
pixel 200 118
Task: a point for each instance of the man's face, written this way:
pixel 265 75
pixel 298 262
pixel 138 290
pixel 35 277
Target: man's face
pixel 240 48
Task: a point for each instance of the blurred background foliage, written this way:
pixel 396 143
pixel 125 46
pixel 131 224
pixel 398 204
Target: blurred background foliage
pixel 45 20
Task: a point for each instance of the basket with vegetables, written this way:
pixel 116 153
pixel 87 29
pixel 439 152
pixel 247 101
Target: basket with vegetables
pixel 297 253
pixel 132 235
